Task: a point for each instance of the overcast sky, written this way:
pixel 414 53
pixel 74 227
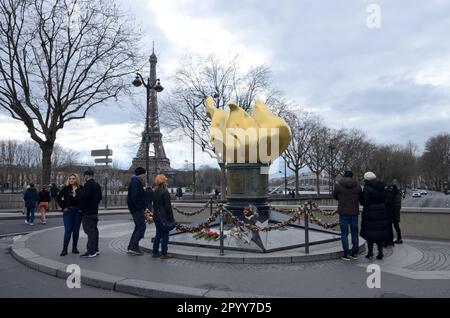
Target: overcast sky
pixel 393 82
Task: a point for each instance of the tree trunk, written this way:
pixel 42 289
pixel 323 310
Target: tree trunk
pixel 318 184
pixel 47 150
pixel 223 181
pixel 296 183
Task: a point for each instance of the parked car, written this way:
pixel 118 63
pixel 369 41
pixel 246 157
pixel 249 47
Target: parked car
pixel 416 195
pixel 423 192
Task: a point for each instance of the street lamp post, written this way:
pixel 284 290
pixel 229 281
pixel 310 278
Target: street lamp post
pixel 147 136
pixel 193 154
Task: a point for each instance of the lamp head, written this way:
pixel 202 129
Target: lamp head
pixel 137 81
pixel 158 88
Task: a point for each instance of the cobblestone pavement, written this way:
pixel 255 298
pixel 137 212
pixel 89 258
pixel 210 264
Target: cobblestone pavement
pixel 414 269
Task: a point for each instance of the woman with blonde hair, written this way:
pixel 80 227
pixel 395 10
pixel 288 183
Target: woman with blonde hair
pixel 68 200
pixel 163 217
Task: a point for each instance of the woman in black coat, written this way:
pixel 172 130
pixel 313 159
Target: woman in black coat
pixel 162 214
pixel 375 217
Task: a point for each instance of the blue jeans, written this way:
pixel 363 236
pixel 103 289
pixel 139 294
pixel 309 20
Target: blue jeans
pixel 72 224
pixel 162 237
pixel 139 229
pixel 30 213
pixel 352 221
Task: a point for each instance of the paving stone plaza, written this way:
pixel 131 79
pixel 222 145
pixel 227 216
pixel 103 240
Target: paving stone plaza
pixel 418 268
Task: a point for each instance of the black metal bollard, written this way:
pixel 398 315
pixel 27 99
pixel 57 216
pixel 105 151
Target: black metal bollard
pixel 308 208
pixel 221 233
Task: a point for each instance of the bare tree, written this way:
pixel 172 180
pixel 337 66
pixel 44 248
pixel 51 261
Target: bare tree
pixel 303 126
pixel 198 78
pixel 435 161
pixel 59 59
pixel 317 159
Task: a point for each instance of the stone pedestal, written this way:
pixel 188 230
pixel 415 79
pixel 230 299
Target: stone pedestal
pixel 247 185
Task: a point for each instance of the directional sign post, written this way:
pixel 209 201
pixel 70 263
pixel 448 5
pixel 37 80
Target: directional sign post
pixel 103 153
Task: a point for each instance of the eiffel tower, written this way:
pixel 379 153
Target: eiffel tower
pixel 158 163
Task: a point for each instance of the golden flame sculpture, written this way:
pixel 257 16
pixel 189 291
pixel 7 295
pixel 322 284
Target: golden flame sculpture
pixel 238 137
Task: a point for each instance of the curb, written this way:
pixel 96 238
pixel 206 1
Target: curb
pixel 20 216
pixel 213 256
pixel 111 282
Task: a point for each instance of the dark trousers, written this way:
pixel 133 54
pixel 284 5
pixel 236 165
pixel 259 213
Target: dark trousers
pixel 370 247
pixel 162 236
pixel 90 228
pixel 345 222
pixel 397 229
pixel 30 213
pixel 72 224
pixel 139 229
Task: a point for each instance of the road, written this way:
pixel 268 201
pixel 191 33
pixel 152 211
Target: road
pixel 432 200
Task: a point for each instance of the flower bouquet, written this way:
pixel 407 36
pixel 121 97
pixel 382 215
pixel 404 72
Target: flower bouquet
pixel 207 235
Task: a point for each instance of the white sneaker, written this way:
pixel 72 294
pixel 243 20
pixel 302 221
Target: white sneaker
pixel 31 223
pixel 26 222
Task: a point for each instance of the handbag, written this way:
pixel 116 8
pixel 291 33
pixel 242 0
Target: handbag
pixel 167 225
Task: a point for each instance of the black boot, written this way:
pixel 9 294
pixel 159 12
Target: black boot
pixel 369 255
pixel 380 255
pixel 64 252
pixel 75 250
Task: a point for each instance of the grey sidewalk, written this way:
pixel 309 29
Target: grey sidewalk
pixel 333 278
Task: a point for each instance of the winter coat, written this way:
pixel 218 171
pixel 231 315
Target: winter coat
pixel 393 202
pixel 136 195
pixel 347 192
pixel 162 206
pixel 44 196
pixel 90 197
pixel 31 197
pixel 67 199
pixel 375 223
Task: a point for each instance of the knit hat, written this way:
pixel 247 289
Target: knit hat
pixel 369 176
pixel 348 174
pixel 139 170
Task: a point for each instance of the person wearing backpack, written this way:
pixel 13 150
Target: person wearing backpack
pixel 54 190
pixel 31 198
pixel 43 202
pixel 394 205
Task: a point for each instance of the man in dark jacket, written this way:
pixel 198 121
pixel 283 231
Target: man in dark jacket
pixel 136 200
pixel 375 217
pixel 347 192
pixel 90 197
pixel 31 198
